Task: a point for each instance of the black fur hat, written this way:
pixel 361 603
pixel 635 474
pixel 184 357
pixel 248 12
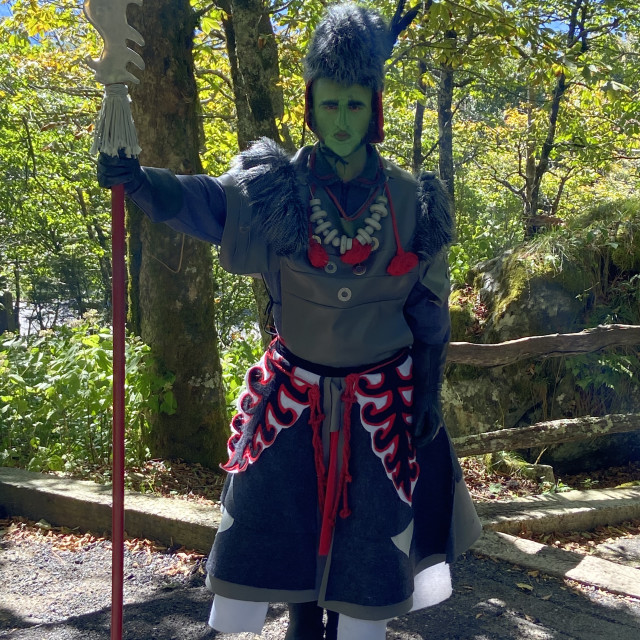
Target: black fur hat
pixel 350 46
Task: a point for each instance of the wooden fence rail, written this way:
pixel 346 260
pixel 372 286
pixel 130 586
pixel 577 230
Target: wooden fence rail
pixel 545 433
pixel 549 346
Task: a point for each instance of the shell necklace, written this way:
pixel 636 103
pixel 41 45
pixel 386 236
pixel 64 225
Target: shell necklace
pixel 352 249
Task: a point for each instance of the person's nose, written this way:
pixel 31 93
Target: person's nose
pixel 342 116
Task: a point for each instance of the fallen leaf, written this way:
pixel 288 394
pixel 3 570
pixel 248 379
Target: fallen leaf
pixel 524 586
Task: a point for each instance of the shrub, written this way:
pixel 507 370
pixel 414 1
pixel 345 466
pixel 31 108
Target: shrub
pixel 56 398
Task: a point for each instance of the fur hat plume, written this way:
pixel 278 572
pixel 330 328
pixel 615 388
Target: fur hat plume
pixel 350 46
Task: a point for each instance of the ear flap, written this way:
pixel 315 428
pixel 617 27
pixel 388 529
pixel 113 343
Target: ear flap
pixel 376 132
pixel 308 106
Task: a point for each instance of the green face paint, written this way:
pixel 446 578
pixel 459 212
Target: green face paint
pixel 341 114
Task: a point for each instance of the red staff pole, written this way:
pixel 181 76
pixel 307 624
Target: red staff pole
pixel 115 131
pixel 118 306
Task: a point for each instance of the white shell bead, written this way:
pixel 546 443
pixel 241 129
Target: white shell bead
pixel 349 243
pixel 330 236
pixel 382 199
pixel 369 229
pixel 376 243
pixel 376 216
pixel 379 208
pixel 373 223
pixel 317 215
pixel 322 227
pixel 315 202
pixel 362 234
pixel 343 244
pixel 336 242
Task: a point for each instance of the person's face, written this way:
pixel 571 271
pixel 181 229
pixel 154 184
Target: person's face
pixel 341 114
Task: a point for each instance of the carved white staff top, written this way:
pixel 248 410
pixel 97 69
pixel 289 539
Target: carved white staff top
pixel 114 130
pixel 109 17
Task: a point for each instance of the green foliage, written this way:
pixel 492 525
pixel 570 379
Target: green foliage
pixel 236 360
pixel 606 381
pixel 53 218
pixel 601 245
pixel 56 398
pixel 236 313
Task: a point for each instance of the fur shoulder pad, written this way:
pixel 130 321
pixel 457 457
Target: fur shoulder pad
pixel 435 225
pixel 267 177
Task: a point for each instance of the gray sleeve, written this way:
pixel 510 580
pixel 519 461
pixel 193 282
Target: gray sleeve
pixel 243 249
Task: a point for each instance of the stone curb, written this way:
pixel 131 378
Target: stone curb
pixel 87 506
pixel 611 576
pixel 568 511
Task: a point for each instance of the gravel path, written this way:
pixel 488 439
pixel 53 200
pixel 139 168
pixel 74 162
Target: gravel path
pixel 58 588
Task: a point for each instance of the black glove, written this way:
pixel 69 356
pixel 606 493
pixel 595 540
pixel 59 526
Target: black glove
pixel 113 170
pixel 163 192
pixel 428 372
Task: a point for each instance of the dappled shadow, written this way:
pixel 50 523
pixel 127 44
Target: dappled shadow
pixel 172 614
pixel 497 601
pixel 491 601
pixel 9 620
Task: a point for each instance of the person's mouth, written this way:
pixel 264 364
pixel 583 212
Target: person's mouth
pixel 341 136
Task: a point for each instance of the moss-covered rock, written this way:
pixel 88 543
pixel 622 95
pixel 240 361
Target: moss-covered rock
pixel 561 281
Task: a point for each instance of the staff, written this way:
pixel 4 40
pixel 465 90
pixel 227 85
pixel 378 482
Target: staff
pixel 115 134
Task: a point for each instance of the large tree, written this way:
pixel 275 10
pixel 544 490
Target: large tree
pixel 171 276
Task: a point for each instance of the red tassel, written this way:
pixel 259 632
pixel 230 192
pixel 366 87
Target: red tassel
pixel 402 263
pixel 357 254
pixel 318 255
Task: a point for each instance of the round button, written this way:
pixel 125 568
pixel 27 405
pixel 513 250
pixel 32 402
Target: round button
pixel 359 270
pixel 331 267
pixel 344 294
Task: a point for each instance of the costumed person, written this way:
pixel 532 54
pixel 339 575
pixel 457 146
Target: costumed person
pixel 343 492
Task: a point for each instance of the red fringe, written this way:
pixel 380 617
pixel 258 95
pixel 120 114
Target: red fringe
pixel 402 263
pixel 318 255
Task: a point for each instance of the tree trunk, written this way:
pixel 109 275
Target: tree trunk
pixel 97 236
pixel 255 72
pixel 445 123
pixel 545 433
pixel 174 305
pixel 418 122
pixel 253 59
pixel 551 346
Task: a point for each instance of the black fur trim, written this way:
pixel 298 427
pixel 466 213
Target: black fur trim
pixel 267 177
pixel 435 225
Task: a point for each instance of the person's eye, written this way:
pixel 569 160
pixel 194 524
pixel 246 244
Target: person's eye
pixel 356 106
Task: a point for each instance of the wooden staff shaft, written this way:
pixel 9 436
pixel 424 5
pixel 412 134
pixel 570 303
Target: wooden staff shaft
pixel 118 302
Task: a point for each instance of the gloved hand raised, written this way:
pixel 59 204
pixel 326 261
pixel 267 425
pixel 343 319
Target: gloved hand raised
pixel 428 373
pixel 120 169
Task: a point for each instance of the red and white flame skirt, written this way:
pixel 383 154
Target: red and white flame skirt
pixel 327 498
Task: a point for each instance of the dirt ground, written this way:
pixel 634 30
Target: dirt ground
pixel 56 586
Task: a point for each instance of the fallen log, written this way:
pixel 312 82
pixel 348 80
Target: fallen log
pixel 549 346
pixel 545 433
